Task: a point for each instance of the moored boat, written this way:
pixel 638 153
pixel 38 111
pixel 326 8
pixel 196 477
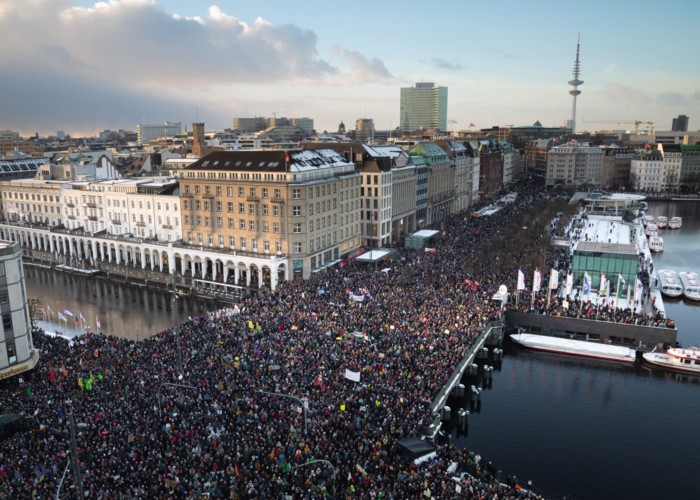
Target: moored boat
pixel 677 358
pixel 651 229
pixel 572 347
pixel 648 219
pixel 669 283
pixel 662 221
pixel 691 285
pixel 656 243
pixel 675 223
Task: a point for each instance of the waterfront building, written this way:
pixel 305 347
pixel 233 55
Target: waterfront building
pixel 646 171
pixel 388 189
pixel 690 167
pixel 574 163
pixel 441 181
pixel 146 133
pixel 423 107
pixel 17 351
pixel 298 211
pixel 466 168
pixel 616 166
pixel 671 174
pixel 491 167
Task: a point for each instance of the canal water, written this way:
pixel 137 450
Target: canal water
pixel 596 430
pixel 127 311
pixel 584 429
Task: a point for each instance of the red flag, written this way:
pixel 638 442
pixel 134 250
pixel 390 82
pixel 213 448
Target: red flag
pixel 471 125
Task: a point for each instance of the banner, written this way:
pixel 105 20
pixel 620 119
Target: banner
pixel 569 283
pixel 604 285
pixel 356 298
pixel 554 279
pixel 586 284
pixel 622 280
pixel 537 280
pixel 351 375
pixel 521 279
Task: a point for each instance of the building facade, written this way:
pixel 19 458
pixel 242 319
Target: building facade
pixel 616 167
pixel 364 130
pixel 646 171
pixel 423 107
pixel 574 163
pixel 146 133
pixel 296 211
pixel 17 351
pixel 441 181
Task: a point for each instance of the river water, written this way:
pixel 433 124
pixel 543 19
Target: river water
pixel 584 429
pixel 596 430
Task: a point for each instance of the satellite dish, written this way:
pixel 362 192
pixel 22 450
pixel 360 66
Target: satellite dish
pixel 503 289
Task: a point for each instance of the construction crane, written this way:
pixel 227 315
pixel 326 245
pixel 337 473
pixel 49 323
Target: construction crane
pixel 636 123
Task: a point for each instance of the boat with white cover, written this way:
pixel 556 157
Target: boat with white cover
pixel 572 347
pixel 651 230
pixel 662 221
pixel 691 285
pixel 648 219
pixel 677 358
pixel 656 243
pixel 669 283
pixel 675 223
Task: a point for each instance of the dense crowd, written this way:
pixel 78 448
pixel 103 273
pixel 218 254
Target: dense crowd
pixel 227 426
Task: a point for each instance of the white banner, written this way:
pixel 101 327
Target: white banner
pixel 351 375
pixel 521 279
pixel 554 279
pixel 569 283
pixel 357 298
pixel 537 280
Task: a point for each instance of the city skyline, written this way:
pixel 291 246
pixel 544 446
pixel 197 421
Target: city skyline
pixel 83 67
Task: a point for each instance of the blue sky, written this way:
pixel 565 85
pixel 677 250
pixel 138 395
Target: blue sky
pixel 82 66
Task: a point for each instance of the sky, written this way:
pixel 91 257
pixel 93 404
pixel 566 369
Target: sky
pixel 83 66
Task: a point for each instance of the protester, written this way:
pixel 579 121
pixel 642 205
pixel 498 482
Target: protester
pixel 227 428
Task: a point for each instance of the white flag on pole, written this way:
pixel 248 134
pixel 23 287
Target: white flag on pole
pixel 586 284
pixel 537 280
pixel 521 279
pixel 554 279
pixel 569 283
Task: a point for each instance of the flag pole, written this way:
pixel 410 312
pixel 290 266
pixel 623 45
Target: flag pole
pixel 549 287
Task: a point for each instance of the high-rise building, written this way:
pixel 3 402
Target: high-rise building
pixel 17 351
pixel 364 130
pixel 423 107
pixel 680 124
pixel 146 133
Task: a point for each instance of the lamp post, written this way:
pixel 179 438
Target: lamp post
pixel 304 404
pixel 325 462
pixel 176 319
pixel 160 411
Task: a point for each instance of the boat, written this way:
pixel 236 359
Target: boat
pixel 648 219
pixel 691 285
pixel 669 283
pixel 675 223
pixel 676 358
pixel 651 229
pixel 572 347
pixel 662 221
pixel 656 243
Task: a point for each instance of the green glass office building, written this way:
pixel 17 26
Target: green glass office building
pixel 423 107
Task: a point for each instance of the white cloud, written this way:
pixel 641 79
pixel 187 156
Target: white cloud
pixel 616 92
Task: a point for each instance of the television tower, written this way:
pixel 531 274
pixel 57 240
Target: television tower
pixel 575 83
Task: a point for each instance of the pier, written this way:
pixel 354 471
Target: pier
pixel 493 330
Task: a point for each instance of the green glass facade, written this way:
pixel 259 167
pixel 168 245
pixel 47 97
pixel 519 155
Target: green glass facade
pixel 611 264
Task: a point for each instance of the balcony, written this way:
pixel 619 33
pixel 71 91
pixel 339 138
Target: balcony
pixel 92 217
pixel 277 200
pixel 91 205
pixel 70 205
pixel 167 226
pixel 140 224
pixel 252 198
pixel 71 217
pixel 116 222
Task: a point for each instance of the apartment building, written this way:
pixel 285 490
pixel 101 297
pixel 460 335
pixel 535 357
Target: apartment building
pixel 575 163
pixel 299 209
pixel 646 171
pixel 441 181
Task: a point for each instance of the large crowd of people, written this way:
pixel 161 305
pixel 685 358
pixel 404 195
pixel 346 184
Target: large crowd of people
pixel 300 393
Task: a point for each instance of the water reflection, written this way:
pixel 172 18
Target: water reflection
pixel 123 310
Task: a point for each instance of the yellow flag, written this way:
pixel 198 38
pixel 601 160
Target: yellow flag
pixel 342 407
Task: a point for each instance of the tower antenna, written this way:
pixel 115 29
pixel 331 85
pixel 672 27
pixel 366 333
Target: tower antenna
pixel 575 83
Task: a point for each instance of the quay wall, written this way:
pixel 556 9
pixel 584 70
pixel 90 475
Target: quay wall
pixel 645 337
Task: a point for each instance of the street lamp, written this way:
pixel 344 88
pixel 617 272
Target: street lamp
pixel 325 462
pixel 160 411
pixel 304 404
pixel 176 318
